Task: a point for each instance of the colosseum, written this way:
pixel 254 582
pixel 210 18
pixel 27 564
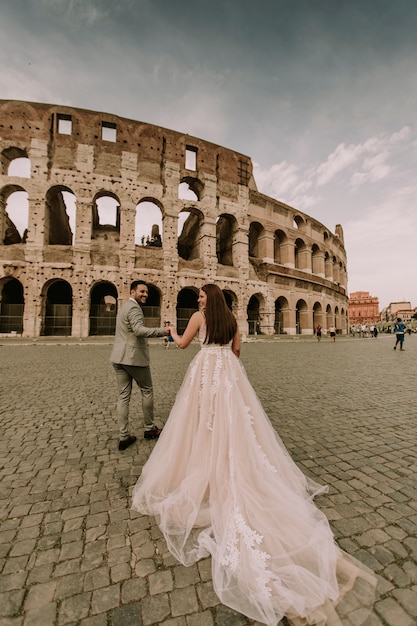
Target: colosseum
pixel 90 201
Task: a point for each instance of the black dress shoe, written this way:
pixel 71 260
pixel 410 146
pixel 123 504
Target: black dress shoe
pixel 153 433
pixel 125 443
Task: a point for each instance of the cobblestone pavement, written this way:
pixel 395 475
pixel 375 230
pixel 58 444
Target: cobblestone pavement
pixel 71 551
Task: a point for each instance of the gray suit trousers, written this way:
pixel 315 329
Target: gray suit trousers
pixel 125 375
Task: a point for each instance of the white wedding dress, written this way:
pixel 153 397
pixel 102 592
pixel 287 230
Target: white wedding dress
pixel 220 482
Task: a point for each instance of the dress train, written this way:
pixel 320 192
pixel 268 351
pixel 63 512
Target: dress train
pixel 220 482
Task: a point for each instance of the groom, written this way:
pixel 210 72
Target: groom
pixel 130 359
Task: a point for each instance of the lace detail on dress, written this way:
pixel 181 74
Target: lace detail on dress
pixel 240 531
pixel 212 383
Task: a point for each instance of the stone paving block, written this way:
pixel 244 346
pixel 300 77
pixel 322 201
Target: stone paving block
pixel 74 608
pixel 184 576
pixel 97 578
pixel 206 595
pixel 408 600
pixel 160 582
pixel 13 581
pixel 40 594
pixel 393 614
pixel 41 616
pixel 200 619
pixel 134 589
pixel 105 599
pixel 129 615
pixel 183 601
pixel 11 602
pixel 155 609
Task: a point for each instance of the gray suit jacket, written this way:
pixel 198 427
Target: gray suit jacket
pixel 130 343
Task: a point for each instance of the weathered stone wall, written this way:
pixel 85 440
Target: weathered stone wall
pixel 283 270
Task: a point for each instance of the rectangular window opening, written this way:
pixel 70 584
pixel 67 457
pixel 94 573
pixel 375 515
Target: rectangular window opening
pixel 190 158
pixel 108 131
pixel 243 172
pixel 64 124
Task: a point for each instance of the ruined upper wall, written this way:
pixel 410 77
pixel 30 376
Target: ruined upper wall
pixel 150 147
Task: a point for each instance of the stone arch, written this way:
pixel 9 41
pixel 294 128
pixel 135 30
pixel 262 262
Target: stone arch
pixel 282 316
pixel 190 188
pixel 256 230
pixel 280 238
pixel 329 317
pixel 299 223
pixel 57 219
pixel 190 236
pixel 106 216
pixel 328 266
pixel 148 223
pixel 15 162
pixel 299 253
pixel 103 308
pixel 187 304
pixel 226 230
pixel 14 215
pixel 317 265
pixel 152 308
pixel 301 316
pixel 231 300
pixel 56 308
pixel 336 317
pixel 255 314
pixel 12 305
pixel 318 316
pixel 335 270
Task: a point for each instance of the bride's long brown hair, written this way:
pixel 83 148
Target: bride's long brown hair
pixel 220 321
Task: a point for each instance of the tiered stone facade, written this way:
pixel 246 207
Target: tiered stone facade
pixel 281 270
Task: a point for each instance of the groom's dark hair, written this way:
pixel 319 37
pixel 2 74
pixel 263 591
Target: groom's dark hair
pixel 135 283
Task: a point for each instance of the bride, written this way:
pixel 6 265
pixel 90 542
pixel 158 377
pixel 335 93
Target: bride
pixel 220 482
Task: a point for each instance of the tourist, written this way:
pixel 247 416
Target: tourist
pixel 130 359
pixel 318 332
pixel 220 482
pixel 399 330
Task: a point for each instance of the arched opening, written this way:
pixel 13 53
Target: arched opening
pixel 189 221
pixel 20 166
pixel 11 306
pixel 299 254
pixel 337 318
pixel 255 231
pixel 148 224
pixel 329 317
pixel 316 260
pixel 103 309
pixel 231 300
pixel 226 228
pixel 190 189
pixel 282 319
pixel 57 298
pixel 301 317
pixel 187 304
pixel 16 218
pixel 279 239
pixel 317 315
pixel 59 218
pixel 14 162
pixel 299 223
pixel 106 217
pixel 152 308
pixel 253 316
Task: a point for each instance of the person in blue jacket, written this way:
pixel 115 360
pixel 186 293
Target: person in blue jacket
pixel 399 330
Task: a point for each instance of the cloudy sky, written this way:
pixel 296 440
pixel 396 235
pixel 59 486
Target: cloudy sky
pixel 321 94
